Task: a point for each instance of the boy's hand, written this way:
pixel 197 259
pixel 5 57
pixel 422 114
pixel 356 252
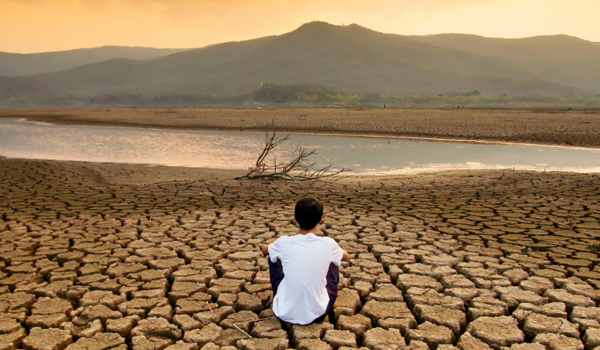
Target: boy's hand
pixel 265 249
pixel 345 257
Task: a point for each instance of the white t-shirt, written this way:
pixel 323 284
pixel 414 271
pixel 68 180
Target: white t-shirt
pixel 302 295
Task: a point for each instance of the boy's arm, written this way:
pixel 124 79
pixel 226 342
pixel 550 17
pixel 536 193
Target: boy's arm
pixel 345 257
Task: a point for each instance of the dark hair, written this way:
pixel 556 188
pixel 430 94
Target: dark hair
pixel 308 213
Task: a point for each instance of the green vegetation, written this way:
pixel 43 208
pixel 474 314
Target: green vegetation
pixel 302 95
pixel 136 100
pixel 464 100
pixel 311 95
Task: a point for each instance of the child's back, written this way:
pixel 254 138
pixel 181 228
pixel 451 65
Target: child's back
pixel 302 295
pixel 304 268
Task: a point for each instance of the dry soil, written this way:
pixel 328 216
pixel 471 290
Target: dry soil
pixel 104 256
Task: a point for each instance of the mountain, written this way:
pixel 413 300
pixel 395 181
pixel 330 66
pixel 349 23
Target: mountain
pixel 23 88
pixel 14 64
pixel 563 58
pixel 350 58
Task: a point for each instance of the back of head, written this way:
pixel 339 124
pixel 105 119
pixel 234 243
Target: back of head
pixel 308 213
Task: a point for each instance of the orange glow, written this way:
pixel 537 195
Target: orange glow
pixel 51 25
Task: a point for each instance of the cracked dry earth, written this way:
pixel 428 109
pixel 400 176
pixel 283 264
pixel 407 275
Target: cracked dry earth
pixel 458 260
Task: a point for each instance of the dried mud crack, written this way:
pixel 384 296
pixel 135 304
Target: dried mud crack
pixel 456 260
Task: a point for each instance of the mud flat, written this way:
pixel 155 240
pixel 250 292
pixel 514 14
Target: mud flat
pixel 559 127
pixel 104 256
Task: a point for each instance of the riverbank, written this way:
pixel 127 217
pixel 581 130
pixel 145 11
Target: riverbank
pixel 553 127
pixel 145 257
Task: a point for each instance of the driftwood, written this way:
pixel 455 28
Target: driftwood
pixel 299 168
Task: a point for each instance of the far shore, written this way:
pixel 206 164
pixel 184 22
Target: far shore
pixel 547 127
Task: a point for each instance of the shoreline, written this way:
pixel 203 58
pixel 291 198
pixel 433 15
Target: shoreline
pixel 346 175
pixel 146 174
pixel 340 134
pixel 130 174
pixel 549 128
pixel 434 168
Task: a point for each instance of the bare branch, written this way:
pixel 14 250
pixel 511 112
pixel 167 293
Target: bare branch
pixel 298 168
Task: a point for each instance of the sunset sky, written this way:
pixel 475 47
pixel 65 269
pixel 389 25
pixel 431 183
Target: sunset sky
pixel 28 26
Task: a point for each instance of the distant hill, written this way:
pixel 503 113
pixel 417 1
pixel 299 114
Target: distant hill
pixel 14 64
pixel 349 58
pixel 559 58
pixel 23 88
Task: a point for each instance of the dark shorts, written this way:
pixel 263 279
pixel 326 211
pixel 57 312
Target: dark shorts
pixel 333 278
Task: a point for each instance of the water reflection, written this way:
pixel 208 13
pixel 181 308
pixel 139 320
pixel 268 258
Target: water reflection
pixel 235 150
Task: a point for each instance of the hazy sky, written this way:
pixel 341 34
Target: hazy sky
pixel 50 25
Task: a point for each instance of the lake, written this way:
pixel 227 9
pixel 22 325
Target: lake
pixel 238 150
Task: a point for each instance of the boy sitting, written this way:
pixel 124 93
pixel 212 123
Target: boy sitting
pixel 304 269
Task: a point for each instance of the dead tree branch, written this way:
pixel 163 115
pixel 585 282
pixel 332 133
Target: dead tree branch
pixel 299 168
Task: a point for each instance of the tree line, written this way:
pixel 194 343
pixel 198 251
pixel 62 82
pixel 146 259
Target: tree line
pixel 310 95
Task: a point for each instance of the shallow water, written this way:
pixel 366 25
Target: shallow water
pixel 238 150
